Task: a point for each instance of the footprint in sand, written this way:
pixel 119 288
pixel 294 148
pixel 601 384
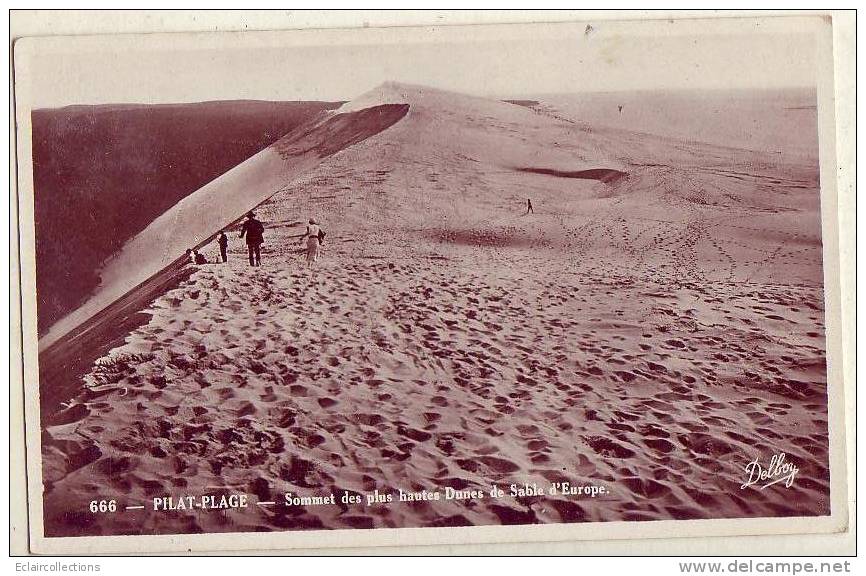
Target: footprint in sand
pixel 660 445
pixel 607 448
pixel 327 402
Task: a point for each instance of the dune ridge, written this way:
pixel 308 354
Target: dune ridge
pixel 651 334
pixel 198 217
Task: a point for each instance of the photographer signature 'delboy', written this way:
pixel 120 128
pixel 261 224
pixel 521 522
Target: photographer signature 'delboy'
pixel 778 470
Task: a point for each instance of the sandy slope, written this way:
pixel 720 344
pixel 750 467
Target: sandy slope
pixel 652 335
pixel 781 121
pixel 120 166
pixel 198 217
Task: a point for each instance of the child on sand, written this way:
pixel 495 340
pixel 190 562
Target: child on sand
pixel 223 242
pixel 313 236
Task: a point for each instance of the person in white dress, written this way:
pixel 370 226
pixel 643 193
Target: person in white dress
pixel 313 238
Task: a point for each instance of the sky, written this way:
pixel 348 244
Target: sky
pixel 502 62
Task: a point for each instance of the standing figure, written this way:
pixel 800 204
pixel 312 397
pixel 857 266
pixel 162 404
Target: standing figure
pixel 223 242
pixel 313 236
pixel 529 206
pixel 254 231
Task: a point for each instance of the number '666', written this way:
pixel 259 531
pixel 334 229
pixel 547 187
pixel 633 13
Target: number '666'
pixel 103 506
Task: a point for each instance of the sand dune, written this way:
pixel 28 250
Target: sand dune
pixel 197 218
pixel 651 333
pixel 783 122
pixel 121 166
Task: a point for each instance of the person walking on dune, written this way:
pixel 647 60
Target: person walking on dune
pixel 313 236
pixel 529 206
pixel 254 231
pixel 223 242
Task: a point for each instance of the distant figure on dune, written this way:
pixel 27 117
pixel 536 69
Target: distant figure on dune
pixel 254 231
pixel 223 242
pixel 314 236
pixel 529 206
pixel 190 256
pixel 198 258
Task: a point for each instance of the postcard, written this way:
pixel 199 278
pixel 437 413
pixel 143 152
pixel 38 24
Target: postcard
pixel 430 285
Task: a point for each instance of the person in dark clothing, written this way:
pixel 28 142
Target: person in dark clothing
pixel 198 258
pixel 223 242
pixel 254 231
pixel 529 206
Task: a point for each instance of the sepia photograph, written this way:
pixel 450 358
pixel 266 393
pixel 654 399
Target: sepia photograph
pixel 575 276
